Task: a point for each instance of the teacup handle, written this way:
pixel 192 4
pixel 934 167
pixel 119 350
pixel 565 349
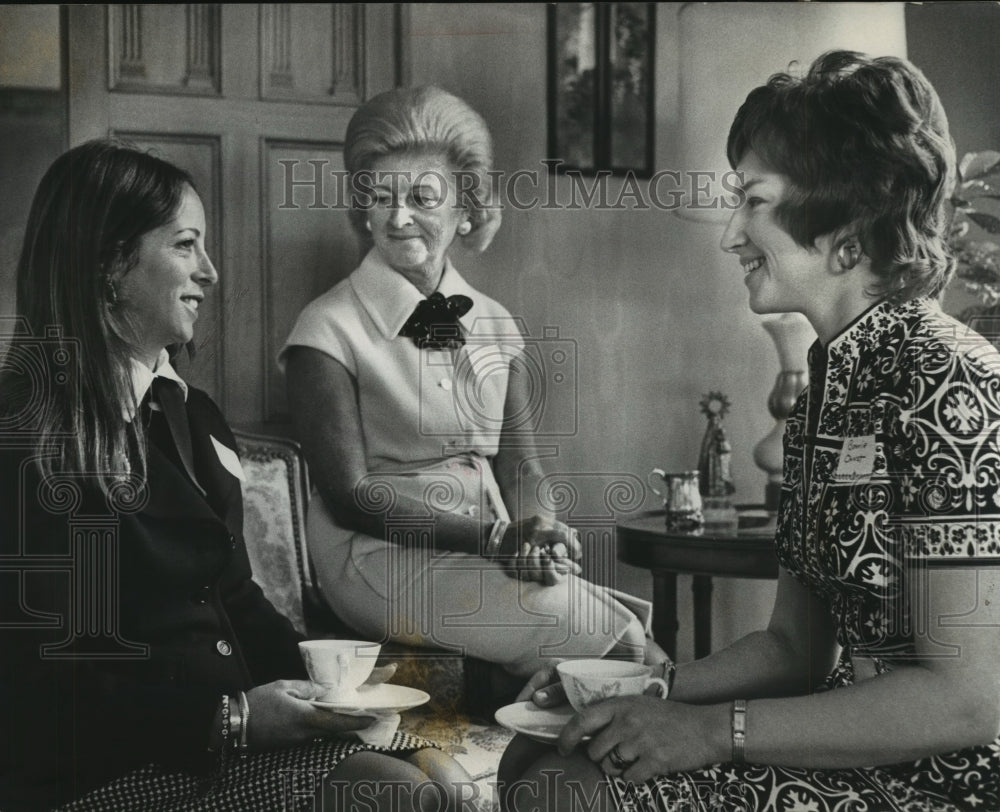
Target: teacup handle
pixel 656 472
pixel 659 683
pixel 345 665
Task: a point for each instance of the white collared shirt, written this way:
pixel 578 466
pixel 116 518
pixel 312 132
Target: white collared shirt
pixel 416 406
pixel 142 378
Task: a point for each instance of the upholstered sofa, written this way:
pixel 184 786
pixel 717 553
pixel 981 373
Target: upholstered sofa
pixel 276 496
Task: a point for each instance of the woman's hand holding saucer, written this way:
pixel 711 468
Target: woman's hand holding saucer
pixel 280 716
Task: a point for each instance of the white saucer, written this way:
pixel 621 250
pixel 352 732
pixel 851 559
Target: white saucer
pixel 540 724
pixel 385 698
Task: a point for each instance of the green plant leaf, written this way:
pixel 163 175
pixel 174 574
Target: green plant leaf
pixel 979 165
pixel 987 222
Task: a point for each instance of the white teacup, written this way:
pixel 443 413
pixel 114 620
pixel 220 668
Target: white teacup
pixel 590 681
pixel 340 667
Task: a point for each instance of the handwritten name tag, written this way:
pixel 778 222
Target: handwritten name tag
pixel 857 458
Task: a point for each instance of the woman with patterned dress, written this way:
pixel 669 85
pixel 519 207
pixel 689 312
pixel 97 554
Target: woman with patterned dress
pixel 411 392
pixel 141 667
pixel 875 685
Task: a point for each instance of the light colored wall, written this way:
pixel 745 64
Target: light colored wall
pixel 658 312
pixel 29 46
pixel 32 124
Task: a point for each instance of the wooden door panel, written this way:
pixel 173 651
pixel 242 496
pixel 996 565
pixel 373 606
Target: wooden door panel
pixel 144 55
pixel 313 52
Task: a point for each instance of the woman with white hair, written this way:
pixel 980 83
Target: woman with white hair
pixel 404 387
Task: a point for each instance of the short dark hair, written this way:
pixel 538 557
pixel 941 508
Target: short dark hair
pixel 864 143
pixel 89 212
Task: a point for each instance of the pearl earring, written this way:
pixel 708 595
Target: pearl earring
pixel 368 224
pixel 464 227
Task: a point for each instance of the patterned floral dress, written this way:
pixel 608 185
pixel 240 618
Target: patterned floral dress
pixel 892 469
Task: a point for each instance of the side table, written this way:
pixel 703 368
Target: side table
pixel 739 550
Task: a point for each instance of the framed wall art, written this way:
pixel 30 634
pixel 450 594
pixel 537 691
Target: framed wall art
pixel 600 86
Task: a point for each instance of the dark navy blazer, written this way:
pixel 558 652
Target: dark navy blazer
pixel 148 608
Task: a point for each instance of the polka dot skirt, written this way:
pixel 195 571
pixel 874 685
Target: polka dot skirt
pixel 289 779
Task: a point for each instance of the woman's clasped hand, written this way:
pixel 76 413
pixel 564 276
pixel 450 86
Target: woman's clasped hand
pixel 540 549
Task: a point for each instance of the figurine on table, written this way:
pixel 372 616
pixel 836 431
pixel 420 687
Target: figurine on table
pixel 714 463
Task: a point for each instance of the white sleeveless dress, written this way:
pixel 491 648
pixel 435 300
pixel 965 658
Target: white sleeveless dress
pixel 431 421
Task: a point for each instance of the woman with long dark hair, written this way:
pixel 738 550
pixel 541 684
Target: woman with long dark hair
pixel 140 665
pixel 413 395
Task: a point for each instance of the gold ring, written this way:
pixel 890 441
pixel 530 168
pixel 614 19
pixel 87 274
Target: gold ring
pixel 618 761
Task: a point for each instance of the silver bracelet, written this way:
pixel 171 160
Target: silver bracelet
pixel 739 731
pixel 244 723
pixel 235 720
pixel 226 718
pixel 497 532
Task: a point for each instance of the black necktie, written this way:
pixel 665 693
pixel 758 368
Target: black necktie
pixel 168 396
pixel 434 323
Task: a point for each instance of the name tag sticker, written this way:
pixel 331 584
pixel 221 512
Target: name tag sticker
pixel 857 458
pixel 229 460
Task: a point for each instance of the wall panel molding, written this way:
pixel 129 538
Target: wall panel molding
pixel 130 64
pixel 202 46
pixel 166 48
pixel 313 52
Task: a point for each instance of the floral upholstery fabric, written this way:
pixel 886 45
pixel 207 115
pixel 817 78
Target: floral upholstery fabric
pixel 270 533
pixel 273 501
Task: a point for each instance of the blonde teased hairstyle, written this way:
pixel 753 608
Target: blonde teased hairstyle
pixel 425 120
